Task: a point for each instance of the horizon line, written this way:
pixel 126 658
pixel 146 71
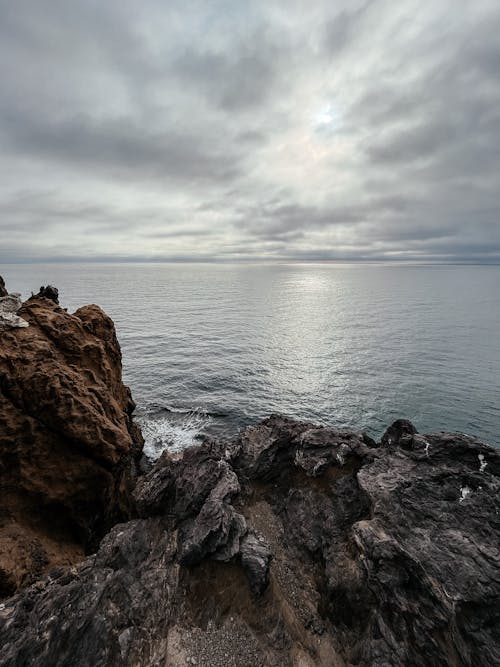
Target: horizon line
pixel 257 260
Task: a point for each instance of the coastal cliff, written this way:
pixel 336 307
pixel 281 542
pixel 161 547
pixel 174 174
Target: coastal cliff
pixel 293 545
pixel 68 445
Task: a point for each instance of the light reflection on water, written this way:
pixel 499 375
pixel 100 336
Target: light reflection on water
pixel 352 345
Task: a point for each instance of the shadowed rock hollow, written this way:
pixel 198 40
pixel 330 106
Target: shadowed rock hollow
pixel 294 545
pixel 67 441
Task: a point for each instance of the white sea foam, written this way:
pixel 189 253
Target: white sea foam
pixel 172 433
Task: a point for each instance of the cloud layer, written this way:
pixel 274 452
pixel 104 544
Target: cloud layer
pixel 272 130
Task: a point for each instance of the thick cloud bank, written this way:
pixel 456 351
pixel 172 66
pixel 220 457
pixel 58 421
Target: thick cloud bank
pixel 231 130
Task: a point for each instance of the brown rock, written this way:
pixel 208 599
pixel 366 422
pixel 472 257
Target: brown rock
pixel 68 445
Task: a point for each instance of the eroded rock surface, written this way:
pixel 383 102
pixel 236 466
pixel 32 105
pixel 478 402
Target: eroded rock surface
pixel 67 441
pixel 296 545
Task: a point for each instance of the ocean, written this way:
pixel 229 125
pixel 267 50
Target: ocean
pixel 210 348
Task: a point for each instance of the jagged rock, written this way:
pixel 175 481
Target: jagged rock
pixel 217 528
pixel 3 290
pixel 154 493
pixel 9 306
pixel 50 292
pixel 255 554
pixel 338 553
pixel 197 490
pixel 399 434
pixel 318 449
pixel 181 485
pixel 266 450
pixel 431 553
pixel 111 609
pixel 67 441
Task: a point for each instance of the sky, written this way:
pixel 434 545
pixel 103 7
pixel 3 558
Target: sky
pixel 250 131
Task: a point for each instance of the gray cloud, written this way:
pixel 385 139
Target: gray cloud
pixel 120 148
pixel 345 27
pixel 236 80
pixel 215 131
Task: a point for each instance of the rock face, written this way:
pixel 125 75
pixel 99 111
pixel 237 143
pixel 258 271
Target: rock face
pixel 295 545
pixel 68 445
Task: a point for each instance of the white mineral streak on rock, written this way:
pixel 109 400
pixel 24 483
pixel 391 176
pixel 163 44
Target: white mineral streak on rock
pixel 464 492
pixel 482 462
pixel 299 458
pixel 9 305
pixel 343 453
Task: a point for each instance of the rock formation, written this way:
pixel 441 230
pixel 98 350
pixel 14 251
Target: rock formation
pixel 49 292
pixel 9 306
pixel 294 545
pixel 68 445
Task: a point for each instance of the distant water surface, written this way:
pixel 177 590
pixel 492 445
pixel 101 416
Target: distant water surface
pixel 211 348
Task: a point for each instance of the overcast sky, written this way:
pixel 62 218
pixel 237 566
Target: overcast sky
pixel 237 130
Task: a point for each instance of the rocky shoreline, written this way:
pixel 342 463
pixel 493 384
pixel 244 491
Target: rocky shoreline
pixel 292 545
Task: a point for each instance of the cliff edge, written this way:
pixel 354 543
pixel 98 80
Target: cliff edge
pixel 68 444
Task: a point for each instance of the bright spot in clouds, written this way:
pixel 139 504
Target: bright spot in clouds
pixel 325 116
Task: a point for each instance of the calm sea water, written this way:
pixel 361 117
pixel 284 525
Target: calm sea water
pixel 211 348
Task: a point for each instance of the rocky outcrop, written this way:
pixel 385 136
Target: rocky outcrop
pixel 49 292
pixel 68 445
pixel 295 545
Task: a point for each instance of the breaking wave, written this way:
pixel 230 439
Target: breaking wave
pixel 174 431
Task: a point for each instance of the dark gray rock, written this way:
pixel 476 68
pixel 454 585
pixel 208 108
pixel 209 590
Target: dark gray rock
pixel 155 492
pixel 271 448
pixel 430 555
pixel 296 545
pixel 3 290
pixel 266 450
pixel 112 609
pixel 399 434
pixel 48 292
pixel 255 556
pixel 217 528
